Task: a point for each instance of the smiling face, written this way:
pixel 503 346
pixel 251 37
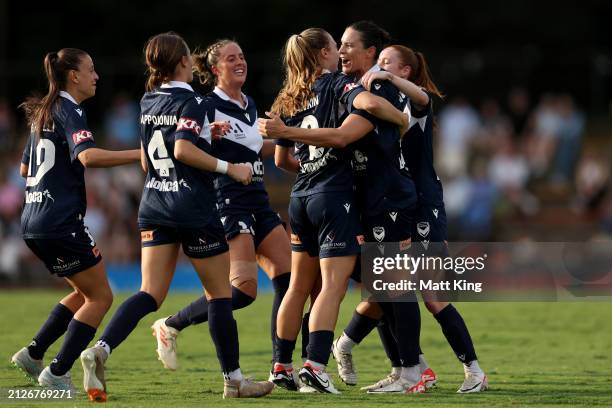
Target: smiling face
pixel 85 77
pixel 390 60
pixel 356 60
pixel 231 69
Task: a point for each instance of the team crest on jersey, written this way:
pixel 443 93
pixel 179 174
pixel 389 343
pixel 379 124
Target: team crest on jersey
pixel 379 233
pixel 435 212
pixel 81 136
pixel 188 124
pixel 423 229
pixel 393 215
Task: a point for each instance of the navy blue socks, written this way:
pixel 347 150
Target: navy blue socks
pixel 126 318
pixel 224 333
pixel 456 333
pixel 55 326
pixel 78 336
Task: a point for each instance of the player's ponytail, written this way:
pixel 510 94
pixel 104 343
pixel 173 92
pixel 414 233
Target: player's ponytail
pixel 203 61
pixel 419 72
pixel 302 67
pixel 39 111
pixel 163 52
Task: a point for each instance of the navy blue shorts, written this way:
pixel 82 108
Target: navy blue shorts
pixel 430 224
pixel 67 255
pixel 394 226
pixel 196 242
pixel 258 222
pixel 325 224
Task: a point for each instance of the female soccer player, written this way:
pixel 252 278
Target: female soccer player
pixel 408 70
pixel 323 215
pixel 59 148
pixel 253 230
pixel 177 209
pixel 386 193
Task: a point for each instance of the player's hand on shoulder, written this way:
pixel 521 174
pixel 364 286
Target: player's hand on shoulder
pixel 272 128
pixel 370 77
pixel 240 172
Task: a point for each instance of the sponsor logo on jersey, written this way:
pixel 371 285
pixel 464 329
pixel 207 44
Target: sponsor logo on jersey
pixel 146 236
pixel 379 233
pixel 435 212
pixel 318 159
pixel 158 120
pixel 393 215
pixel 81 136
pixel 198 100
pixel 79 111
pixel 313 102
pixel 423 229
pixel 188 124
pixel 37 196
pixel 347 207
pixel 350 86
pixel 167 185
pixel 257 168
pixel 377 86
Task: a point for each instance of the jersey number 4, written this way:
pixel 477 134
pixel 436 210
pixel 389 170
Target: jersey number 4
pixel 163 163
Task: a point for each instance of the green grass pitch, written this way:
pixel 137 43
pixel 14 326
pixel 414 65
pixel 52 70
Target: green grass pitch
pixel 535 354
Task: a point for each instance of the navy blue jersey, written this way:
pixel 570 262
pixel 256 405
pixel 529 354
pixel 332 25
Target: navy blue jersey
pixel 323 169
pixel 383 183
pixel 55 200
pixel 174 194
pixel 417 146
pixel 242 144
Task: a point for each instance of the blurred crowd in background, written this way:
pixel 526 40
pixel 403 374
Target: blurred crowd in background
pixel 512 168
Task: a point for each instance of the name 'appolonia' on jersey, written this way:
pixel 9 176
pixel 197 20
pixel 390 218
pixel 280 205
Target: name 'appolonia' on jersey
pixel 323 169
pixel 175 194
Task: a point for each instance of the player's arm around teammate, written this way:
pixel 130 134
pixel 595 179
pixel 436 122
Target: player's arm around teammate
pixel 59 148
pixel 254 231
pixel 177 209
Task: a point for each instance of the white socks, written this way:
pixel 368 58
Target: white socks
pixel 345 344
pixel 315 365
pixel 411 374
pixel 472 367
pixel 233 375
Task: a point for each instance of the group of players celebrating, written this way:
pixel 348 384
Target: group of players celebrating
pixel 360 141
